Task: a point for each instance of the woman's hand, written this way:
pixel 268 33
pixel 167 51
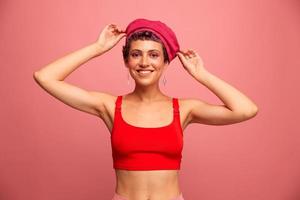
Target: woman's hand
pixel 109 37
pixel 193 63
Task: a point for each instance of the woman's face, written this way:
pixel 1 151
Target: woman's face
pixel 146 61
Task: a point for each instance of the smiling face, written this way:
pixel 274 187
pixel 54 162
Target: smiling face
pixel 146 61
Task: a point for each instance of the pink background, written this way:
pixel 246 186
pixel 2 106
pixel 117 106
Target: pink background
pixel 49 151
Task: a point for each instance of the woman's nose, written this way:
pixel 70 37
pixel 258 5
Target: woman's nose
pixel 144 60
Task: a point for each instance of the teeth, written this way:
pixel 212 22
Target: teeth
pixel 144 72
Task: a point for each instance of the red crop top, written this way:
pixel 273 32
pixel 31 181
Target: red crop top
pixel 142 148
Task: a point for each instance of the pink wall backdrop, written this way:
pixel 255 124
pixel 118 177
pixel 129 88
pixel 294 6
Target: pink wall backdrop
pixel 49 151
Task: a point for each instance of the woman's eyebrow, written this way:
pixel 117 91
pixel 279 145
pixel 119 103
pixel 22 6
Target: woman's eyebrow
pixel 148 50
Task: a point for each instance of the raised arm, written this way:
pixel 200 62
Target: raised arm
pixel 51 77
pixel 237 106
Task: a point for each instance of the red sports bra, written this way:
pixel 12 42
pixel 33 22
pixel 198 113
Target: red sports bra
pixel 141 148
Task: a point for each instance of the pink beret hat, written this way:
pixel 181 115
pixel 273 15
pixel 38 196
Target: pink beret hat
pixel 165 34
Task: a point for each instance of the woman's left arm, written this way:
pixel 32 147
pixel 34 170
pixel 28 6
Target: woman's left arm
pixel 238 107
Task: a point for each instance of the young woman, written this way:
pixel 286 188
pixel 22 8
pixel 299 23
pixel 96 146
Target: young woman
pixel 146 125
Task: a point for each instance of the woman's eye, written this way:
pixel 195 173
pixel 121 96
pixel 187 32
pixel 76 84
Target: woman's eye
pixel 134 54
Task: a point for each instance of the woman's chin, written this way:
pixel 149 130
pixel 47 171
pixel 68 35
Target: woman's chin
pixel 144 82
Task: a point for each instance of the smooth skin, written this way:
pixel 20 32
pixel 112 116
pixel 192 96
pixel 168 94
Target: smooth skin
pixel 146 105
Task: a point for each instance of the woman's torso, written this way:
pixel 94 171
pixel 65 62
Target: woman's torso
pixel 144 185
pixel 154 184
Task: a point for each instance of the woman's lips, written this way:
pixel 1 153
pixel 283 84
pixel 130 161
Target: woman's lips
pixel 144 72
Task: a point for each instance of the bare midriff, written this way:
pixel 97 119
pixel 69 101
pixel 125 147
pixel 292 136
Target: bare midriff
pixel 147 184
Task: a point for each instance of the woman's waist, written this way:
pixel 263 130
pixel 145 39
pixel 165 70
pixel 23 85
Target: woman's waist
pixel 147 182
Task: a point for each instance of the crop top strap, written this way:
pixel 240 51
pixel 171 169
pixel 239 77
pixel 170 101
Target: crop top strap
pixel 175 105
pixel 118 103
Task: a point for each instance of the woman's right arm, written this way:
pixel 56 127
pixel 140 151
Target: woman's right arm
pixel 51 77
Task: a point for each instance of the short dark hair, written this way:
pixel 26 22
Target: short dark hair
pixel 143 35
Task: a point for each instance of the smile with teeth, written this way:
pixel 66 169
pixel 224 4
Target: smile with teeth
pixel 144 72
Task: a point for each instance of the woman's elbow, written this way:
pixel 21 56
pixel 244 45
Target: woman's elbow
pixel 252 112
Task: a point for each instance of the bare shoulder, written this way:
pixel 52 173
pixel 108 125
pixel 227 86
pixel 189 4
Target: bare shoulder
pixel 190 102
pixel 184 103
pixel 190 106
pixel 105 101
pixel 185 107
